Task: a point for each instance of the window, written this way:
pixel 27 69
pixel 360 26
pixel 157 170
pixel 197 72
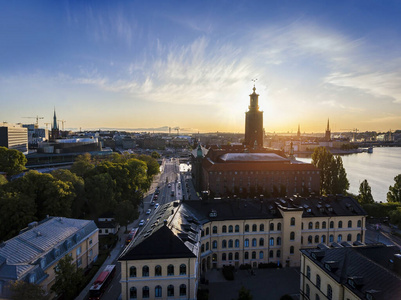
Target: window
pixel 214 244
pixel 271 241
pixel 340 224
pixel 79 262
pixel 310 225
pixel 236 228
pixel 183 269
pixel 302 240
pixel 329 292
pixel 271 253
pixel 271 227
pixel 145 271
pixel 158 270
pixel 246 243
pixel 349 224
pixel 79 250
pixel 132 272
pixel 261 255
pixel 292 250
pixel 183 290
pixel 236 243
pixel 170 291
pixel 292 236
pixel 246 255
pixel 316 239
pixel 278 226
pixel 324 225
pixel 302 225
pixel 349 237
pixel 310 239
pixel 230 244
pixel 224 257
pixel 224 244
pixel 230 256
pixel 254 243
pixel 323 239
pixel 207 246
pixel 253 254
pixel 254 227
pixel 170 270
pixel 261 227
pixel 317 297
pixel 246 228
pixel 331 224
pixel 133 293
pixel 145 292
pixel 278 254
pixel 339 238
pixel 359 223
pixel 214 230
pixel 207 230
pixel 292 222
pixel 317 225
pixel 202 248
pixel 158 291
pixel 308 272
pixel 331 238
pixel 230 228
pixel 318 281
pixel 32 278
pixel 224 229
pixel 307 291
pixel 236 256
pixel 358 237
pixel 261 242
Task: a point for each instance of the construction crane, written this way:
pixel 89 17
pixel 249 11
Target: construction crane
pixel 178 130
pixel 37 120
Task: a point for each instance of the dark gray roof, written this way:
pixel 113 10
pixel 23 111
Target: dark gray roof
pixel 253 157
pixel 368 266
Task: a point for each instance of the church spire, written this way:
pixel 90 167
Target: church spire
pixel 55 126
pixel 299 131
pixel 254 99
pixel 328 124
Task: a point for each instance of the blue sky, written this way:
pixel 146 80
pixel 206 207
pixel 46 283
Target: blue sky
pixel 143 64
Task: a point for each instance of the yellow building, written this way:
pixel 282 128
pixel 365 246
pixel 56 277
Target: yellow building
pixel 351 273
pixel 34 253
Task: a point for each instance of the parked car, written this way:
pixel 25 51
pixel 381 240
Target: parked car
pixel 148 211
pixel 141 223
pixel 152 203
pixel 157 205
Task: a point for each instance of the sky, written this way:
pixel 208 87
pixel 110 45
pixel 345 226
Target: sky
pixel 190 64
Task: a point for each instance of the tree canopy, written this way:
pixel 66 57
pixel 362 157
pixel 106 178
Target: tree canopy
pixel 68 278
pixel 12 161
pixel 27 291
pixel 394 193
pixel 365 193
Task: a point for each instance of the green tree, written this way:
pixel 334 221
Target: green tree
pixel 155 155
pixel 100 192
pixel 27 291
pixel 394 193
pixel 244 294
pixel 365 193
pixel 3 180
pixel 82 164
pixel 125 213
pixel 395 216
pixel 11 161
pixel 68 279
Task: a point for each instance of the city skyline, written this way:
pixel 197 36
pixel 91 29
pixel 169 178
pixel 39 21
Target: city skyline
pixel 141 65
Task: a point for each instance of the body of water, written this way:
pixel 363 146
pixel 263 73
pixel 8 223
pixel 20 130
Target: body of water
pixel 378 168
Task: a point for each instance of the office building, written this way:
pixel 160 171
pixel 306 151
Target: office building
pixel 14 137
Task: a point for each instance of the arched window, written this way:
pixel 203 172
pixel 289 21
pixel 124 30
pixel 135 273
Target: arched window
pixel 292 235
pixel 246 243
pixel 224 244
pixel 358 237
pixel 183 290
pixel 230 244
pixel 340 224
pixel 262 227
pixel 278 241
pixel 207 246
pixel 254 227
pixel 310 225
pixel 292 223
pixel 271 226
pixel 246 255
pixel 230 228
pixel 254 244
pixel 214 257
pixel 349 224
pixel 331 238
pixel 170 270
pixel 278 226
pixel 349 237
pixel 307 291
pixel 324 225
pixel 145 271
pixel 202 248
pixel 310 238
pixel 302 240
pixel 329 292
pixel 339 238
pixel 170 290
pixel 145 292
pixel 158 291
pixel 261 242
pixel 224 229
pixel 308 272
pixel 132 272
pixel 158 270
pixel 253 254
pixel 359 223
pixel 317 225
pixel 317 297
pixel 260 254
pixel 302 225
pixel 316 239
pixel 237 243
pixel 271 241
pixel 183 269
pixel 236 228
pixel 323 239
pixel 271 253
pixel 292 250
pixel 133 293
pixel 318 281
pixel 207 230
pixel 230 256
pixel 224 256
pixel 236 256
pixel 214 244
pixel 278 254
pixel 331 224
pixel 214 229
pixel 246 228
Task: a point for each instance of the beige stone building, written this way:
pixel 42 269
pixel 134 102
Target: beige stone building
pixel 34 253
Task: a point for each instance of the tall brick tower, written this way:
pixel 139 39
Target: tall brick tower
pixel 254 122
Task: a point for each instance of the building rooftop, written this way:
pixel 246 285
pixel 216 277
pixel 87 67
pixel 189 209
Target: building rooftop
pixel 252 157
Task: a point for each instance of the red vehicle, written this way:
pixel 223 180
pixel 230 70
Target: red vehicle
pixel 131 235
pixel 99 286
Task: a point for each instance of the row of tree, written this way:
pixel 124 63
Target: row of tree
pixel 91 188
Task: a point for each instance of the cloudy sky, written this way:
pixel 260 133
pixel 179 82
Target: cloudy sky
pixel 143 64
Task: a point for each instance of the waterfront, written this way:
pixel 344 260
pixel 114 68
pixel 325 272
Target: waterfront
pixel 378 168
